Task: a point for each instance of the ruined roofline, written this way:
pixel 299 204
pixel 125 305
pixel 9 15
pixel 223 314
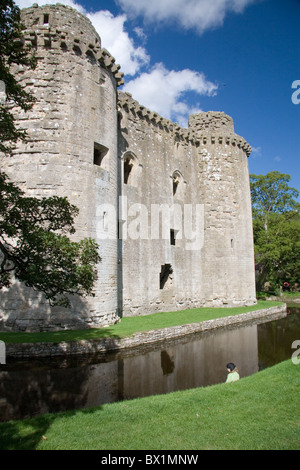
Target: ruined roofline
pixel 125 100
pixel 68 30
pixel 202 137
pixel 66 39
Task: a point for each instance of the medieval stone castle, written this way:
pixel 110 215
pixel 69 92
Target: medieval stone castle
pixel 169 207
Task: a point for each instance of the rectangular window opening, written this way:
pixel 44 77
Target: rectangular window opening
pixel 46 18
pixel 105 221
pixel 172 237
pixel 99 153
pixel 165 276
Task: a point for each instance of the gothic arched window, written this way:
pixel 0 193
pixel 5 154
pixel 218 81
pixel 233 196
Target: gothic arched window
pixel 177 182
pixel 130 167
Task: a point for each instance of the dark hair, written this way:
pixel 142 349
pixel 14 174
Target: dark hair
pixel 231 366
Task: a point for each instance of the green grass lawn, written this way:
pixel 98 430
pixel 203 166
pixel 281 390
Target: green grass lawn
pixel 258 412
pixel 292 295
pixel 130 325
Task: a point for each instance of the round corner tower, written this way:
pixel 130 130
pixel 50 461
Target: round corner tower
pixel 71 151
pixel 228 254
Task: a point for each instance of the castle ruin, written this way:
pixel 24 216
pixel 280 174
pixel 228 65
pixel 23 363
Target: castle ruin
pixel 169 207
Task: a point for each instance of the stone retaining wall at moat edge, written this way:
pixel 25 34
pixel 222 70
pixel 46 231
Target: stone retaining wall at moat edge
pixel 114 344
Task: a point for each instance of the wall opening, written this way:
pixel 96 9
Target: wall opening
pixel 46 18
pixel 166 276
pixel 77 50
pixel 177 184
pixel 128 165
pixel 90 56
pixel 105 221
pixel 172 237
pixel 131 169
pixel 99 153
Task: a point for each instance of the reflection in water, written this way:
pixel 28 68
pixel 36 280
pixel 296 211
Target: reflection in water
pixel 167 361
pixel 275 338
pixel 196 363
pixel 41 386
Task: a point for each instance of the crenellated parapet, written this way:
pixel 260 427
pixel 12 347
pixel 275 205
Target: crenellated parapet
pixel 62 29
pixel 213 127
pixel 231 139
pixel 204 128
pixel 130 105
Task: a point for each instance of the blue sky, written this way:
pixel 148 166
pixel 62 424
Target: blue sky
pixel 237 56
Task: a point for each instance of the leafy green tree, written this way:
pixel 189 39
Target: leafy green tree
pixel 12 52
pixel 35 249
pixel 271 194
pixel 34 246
pixel 276 226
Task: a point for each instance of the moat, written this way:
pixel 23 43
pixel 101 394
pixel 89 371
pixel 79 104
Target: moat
pixel 36 386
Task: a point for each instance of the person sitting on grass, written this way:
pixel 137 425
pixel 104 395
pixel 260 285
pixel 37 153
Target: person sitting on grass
pixel 233 374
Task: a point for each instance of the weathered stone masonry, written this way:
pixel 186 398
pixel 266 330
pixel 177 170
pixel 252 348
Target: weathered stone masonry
pixel 118 162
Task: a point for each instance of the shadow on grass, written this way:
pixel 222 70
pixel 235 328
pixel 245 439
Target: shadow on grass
pixel 59 336
pixel 24 435
pixel 27 434
pixel 33 320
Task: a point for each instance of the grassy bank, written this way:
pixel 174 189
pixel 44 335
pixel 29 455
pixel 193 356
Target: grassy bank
pixel 258 412
pixel 130 325
pixel 286 297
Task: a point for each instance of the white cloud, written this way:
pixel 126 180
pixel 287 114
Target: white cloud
pixel 163 91
pixel 140 33
pixel 113 35
pixel 117 41
pixel 256 152
pixel 196 14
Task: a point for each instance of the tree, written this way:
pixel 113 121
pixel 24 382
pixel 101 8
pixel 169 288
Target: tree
pixel 276 226
pixel 271 194
pixel 12 52
pixel 34 246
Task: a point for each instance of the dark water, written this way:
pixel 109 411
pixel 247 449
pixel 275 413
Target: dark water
pixel 29 388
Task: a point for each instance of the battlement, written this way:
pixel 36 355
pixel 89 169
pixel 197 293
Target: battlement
pixel 62 28
pixel 204 128
pixel 211 121
pixel 129 104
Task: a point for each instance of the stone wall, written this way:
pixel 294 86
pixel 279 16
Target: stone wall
pixel 202 169
pixel 163 180
pixel 182 196
pixel 228 257
pixel 150 338
pixel 74 116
